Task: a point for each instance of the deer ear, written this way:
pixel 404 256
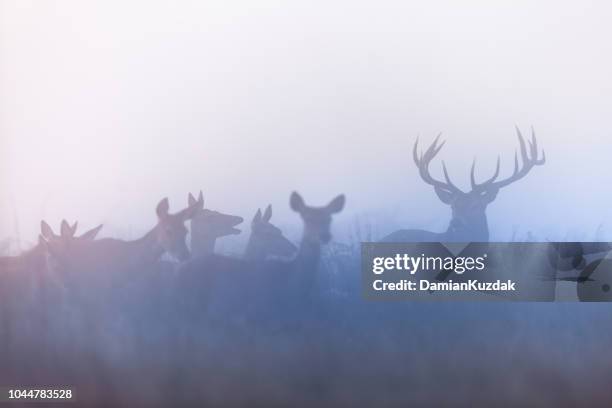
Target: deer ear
pixel 91 234
pixel 268 213
pixel 337 204
pixel 445 196
pixel 46 230
pixel 256 217
pixel 189 212
pixel 296 202
pixel 201 200
pixel 52 248
pixel 162 208
pixel 47 246
pixel 65 230
pixel 73 228
pixel 191 200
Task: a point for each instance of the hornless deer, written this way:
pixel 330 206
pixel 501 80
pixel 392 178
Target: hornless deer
pixel 35 259
pixel 469 219
pixel 28 289
pixel 108 275
pixel 113 257
pixel 236 283
pixel 266 239
pixel 208 225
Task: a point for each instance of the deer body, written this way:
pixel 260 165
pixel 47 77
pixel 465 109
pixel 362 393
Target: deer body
pixel 115 255
pixel 30 292
pixel 469 219
pixel 110 276
pixel 31 260
pixel 29 274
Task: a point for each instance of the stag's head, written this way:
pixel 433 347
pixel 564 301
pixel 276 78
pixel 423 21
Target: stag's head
pixel 209 223
pixel 317 220
pixel 171 231
pixel 468 208
pixel 268 236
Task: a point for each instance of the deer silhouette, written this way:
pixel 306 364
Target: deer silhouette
pixel 111 257
pixel 266 239
pixel 469 220
pixel 35 259
pixel 208 225
pixel 108 276
pixel 238 284
pixel 28 288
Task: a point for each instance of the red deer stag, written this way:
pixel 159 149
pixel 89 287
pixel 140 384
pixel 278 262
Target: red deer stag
pixel 469 219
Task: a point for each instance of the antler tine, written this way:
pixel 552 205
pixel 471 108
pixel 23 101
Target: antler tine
pixel 448 180
pixel 472 177
pixel 429 154
pixel 522 146
pixel 535 149
pixel 516 163
pixel 433 149
pixel 486 182
pixel 415 155
pixel 422 163
pixel 529 159
pixel 534 144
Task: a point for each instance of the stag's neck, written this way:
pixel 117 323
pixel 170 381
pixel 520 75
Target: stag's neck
pixel 474 231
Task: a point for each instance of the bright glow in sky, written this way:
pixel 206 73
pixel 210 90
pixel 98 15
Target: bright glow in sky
pixel 106 107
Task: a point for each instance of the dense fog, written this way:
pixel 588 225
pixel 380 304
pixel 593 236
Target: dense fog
pixel 107 107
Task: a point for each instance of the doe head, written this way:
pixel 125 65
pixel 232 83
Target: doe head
pixel 269 237
pixel 211 224
pixel 171 230
pixel 317 220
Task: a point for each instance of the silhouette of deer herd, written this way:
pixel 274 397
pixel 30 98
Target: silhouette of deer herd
pixel 91 271
pixel 73 291
pixel 80 263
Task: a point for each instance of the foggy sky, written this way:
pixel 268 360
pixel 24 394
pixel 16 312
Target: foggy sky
pixel 107 107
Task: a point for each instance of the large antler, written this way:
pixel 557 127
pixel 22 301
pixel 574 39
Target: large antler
pixel 529 160
pixel 422 162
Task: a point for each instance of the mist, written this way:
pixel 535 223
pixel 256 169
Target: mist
pixel 107 107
